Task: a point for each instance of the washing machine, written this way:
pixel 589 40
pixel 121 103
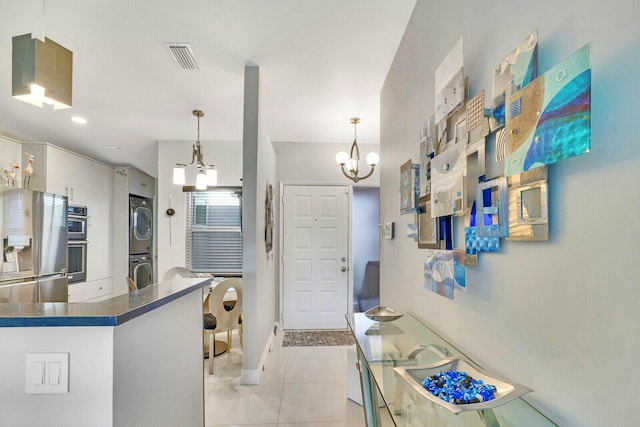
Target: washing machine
pixel 141 270
pixel 140 225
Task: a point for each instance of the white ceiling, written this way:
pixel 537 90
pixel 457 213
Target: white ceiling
pixel 321 62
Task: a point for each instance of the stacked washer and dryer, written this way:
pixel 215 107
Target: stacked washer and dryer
pixel 141 240
pixel 134 218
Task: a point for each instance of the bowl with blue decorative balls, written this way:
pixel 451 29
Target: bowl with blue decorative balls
pixel 458 385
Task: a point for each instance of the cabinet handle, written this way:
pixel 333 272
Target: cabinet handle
pixel 72 194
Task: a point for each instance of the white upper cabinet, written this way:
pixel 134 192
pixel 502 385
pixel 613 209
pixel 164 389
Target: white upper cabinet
pixel 87 183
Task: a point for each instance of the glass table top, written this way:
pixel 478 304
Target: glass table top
pixel 396 351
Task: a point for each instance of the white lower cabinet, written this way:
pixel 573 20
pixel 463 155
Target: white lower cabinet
pixel 92 291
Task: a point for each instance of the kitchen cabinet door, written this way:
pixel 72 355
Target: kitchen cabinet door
pixel 98 197
pixel 57 171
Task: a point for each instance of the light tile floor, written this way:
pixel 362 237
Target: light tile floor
pixel 300 386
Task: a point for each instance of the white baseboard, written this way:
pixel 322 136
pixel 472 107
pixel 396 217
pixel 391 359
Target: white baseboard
pixel 252 376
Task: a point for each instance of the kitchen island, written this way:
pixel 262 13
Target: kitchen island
pixel 134 359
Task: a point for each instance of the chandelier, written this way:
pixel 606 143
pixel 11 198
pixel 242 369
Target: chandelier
pixel 207 174
pixel 349 162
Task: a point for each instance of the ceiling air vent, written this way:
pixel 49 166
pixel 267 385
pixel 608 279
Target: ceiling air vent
pixel 183 55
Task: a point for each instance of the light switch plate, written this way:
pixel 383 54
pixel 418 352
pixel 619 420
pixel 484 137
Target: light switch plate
pixel 47 373
pixel 388 230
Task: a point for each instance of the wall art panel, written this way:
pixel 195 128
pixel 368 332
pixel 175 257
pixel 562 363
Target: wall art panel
pixel 476 169
pixel 550 119
pixel 460 268
pixel 428 229
pixel 409 187
pixel 439 272
pixel 493 202
pixel 447 182
pixel 528 206
pixel 475 243
pixel 427 138
pixel 450 82
pixel 513 73
pixel 475 111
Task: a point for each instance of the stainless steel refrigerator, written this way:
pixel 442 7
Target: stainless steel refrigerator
pixel 34 246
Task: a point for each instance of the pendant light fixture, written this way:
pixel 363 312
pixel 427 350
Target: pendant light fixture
pixel 349 162
pixel 42 71
pixel 207 175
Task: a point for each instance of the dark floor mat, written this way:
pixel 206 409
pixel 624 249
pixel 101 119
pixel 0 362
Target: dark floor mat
pixel 317 338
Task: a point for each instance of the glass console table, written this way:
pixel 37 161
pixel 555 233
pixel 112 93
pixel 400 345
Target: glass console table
pixel 385 348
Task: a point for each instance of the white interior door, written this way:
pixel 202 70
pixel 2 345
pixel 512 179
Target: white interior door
pixel 315 256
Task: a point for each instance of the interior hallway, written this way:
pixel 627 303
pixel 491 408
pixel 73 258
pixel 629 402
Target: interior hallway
pixel 300 386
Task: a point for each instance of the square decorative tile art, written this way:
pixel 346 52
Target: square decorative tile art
pixel 475 243
pixel 528 210
pixel 491 197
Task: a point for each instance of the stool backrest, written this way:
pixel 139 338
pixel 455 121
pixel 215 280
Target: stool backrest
pixel 226 320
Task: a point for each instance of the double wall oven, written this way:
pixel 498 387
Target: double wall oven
pixel 77 221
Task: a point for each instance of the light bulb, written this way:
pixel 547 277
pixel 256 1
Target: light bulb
pixel 373 159
pixel 342 158
pixel 212 176
pixel 201 181
pixel 179 175
pixel 352 164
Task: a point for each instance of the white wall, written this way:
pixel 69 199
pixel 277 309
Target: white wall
pixel 559 316
pixel 316 163
pixel 259 274
pixel 226 155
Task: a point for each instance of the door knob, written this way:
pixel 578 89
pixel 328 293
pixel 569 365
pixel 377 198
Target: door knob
pixel 343 268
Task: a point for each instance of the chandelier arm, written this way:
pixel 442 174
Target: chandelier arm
pixel 369 174
pixel 354 146
pixel 198 153
pixel 350 176
pixel 193 155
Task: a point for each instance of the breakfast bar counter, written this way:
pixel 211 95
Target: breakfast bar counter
pixel 134 359
pixel 111 312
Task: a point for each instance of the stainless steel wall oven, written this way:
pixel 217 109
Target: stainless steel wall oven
pixel 77 253
pixel 77 221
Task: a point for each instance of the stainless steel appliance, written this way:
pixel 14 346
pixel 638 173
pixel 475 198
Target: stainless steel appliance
pixel 18 291
pixel 77 254
pixel 140 225
pixel 77 222
pixel 141 270
pixel 77 245
pixel 34 246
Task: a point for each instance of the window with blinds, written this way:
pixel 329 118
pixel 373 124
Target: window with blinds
pixel 214 231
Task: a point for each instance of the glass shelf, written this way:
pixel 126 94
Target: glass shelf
pixel 386 348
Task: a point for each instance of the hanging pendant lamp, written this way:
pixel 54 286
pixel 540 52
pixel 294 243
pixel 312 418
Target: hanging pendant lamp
pixel 42 71
pixel 349 162
pixel 206 175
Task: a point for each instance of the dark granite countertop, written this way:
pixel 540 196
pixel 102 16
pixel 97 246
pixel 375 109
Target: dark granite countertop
pixel 111 312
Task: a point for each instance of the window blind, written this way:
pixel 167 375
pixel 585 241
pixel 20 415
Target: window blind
pixel 214 231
